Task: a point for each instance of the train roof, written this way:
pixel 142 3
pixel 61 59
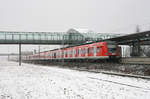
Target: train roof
pixel 78 45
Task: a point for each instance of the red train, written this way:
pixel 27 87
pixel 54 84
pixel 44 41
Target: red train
pixel 91 51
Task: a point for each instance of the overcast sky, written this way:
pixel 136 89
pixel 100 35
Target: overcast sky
pixel 60 15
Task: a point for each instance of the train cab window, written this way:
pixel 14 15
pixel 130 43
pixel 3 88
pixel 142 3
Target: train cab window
pixel 112 48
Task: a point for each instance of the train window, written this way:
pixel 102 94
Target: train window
pixel 57 54
pixel 98 49
pixel 83 51
pixel 70 52
pixel 94 49
pixel 91 50
pixel 75 51
pixel 86 50
pixel 79 50
pixel 64 53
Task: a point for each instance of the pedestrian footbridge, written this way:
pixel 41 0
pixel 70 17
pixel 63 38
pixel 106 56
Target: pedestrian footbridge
pixel 53 38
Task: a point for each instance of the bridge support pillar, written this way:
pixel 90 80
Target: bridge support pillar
pixel 20 54
pixel 8 58
pixel 135 49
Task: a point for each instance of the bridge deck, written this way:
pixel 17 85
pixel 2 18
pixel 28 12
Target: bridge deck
pixel 36 38
pixel 49 37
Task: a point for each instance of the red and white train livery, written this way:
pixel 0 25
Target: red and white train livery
pixel 98 50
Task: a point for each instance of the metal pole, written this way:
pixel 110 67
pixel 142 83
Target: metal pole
pixel 39 51
pixel 8 57
pixel 19 54
pixel 63 50
pixel 138 45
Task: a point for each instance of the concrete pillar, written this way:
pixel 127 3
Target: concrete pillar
pixel 135 49
pixel 20 54
pixel 8 58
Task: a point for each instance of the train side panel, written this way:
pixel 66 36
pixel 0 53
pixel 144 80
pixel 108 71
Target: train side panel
pixel 99 50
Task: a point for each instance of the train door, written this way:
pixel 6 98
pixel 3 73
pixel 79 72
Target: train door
pixel 83 52
pixel 91 51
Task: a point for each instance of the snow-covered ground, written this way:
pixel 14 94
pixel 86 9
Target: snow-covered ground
pixel 43 82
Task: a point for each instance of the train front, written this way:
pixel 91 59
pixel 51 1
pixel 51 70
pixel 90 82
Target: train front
pixel 113 50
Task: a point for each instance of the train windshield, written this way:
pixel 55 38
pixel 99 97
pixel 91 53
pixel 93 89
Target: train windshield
pixel 111 47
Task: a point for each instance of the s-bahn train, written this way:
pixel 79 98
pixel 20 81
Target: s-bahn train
pixel 91 51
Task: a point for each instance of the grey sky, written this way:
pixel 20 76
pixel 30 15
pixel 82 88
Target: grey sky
pixel 60 15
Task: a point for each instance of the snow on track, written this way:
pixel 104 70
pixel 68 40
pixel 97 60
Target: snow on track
pixel 43 82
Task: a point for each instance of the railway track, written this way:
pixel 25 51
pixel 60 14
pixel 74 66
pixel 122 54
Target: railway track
pixel 129 67
pixel 117 74
pixel 119 83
